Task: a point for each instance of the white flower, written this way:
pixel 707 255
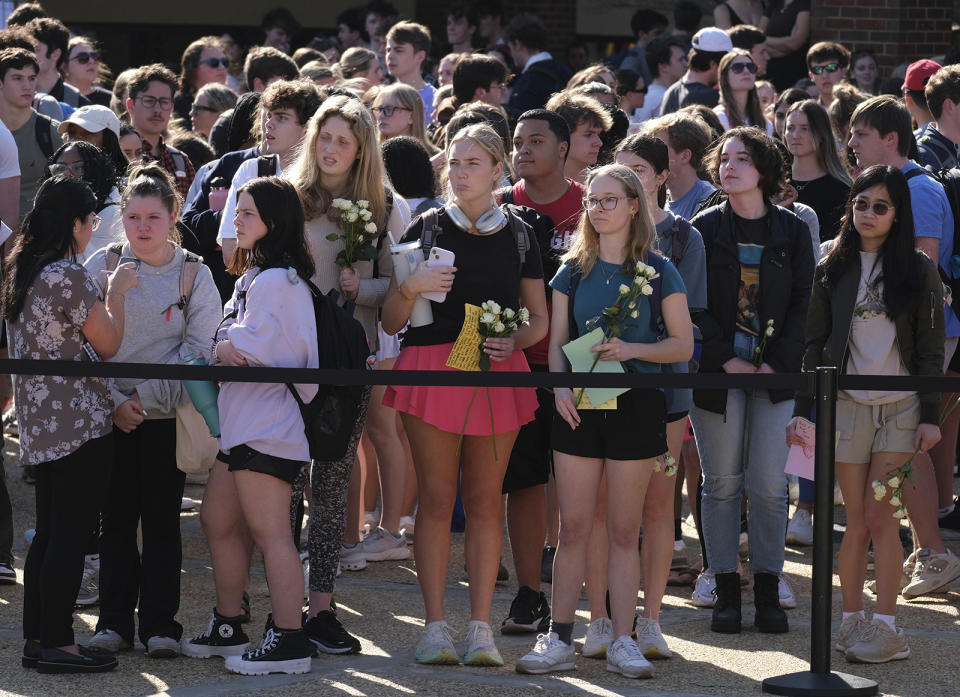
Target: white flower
pixel 900 513
pixel 363 203
pixel 640 267
pixel 337 203
pixel 894 482
pixel 508 313
pixel 634 314
pixel 769 331
pixel 493 307
pixel 624 289
pixel 351 217
pixel 524 315
pixel 370 228
pixel 647 289
pixel 487 318
pixel 360 238
pixel 895 501
pixel 649 271
pixel 499 328
pixel 639 280
pixel 365 214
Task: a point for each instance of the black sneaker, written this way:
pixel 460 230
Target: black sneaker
pixel 281 651
pixel 328 635
pixel 224 637
pixel 529 612
pixel 546 564
pixel 31 654
pixel 88 661
pixel 950 523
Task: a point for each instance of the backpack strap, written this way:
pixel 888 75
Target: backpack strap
pixel 431 231
pixel 681 234
pixel 42 126
pixel 266 165
pixel 376 260
pixel 575 277
pixel 520 235
pixel 188 276
pixel 114 252
pixel 179 161
pixel 506 196
pixel 657 325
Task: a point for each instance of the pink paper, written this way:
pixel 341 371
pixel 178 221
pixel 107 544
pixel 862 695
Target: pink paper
pixel 800 460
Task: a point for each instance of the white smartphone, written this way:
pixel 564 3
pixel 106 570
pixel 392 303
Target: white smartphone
pixel 439 258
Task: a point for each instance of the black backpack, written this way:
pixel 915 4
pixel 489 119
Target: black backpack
pixel 42 126
pixel 949 179
pixel 330 417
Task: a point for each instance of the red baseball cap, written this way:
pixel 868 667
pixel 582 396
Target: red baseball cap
pixel 918 73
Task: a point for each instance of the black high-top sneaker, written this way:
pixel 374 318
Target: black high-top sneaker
pixel 726 611
pixel 281 651
pixel 224 637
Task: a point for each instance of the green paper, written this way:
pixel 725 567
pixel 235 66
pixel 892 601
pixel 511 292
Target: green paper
pixel 581 358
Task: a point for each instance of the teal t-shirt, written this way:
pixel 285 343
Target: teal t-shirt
pixel 600 289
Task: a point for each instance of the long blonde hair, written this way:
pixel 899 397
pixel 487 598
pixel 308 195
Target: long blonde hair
pixel 367 178
pixel 483 135
pixel 353 61
pixel 408 98
pixel 641 239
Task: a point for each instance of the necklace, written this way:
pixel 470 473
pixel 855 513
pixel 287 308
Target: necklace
pixel 616 267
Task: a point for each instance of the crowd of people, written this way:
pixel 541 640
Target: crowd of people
pixel 721 199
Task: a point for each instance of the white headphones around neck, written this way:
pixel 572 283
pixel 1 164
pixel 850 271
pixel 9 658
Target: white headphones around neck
pixel 492 220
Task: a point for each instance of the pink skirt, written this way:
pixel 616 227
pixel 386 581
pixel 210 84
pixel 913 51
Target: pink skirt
pixel 446 407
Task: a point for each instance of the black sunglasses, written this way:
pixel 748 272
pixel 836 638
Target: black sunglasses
pixel 879 209
pixel 85 57
pixel 203 107
pixel 740 67
pixel 214 62
pixel 821 69
pixel 642 90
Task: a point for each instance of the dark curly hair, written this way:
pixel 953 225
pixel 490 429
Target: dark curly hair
pixel 99 172
pixel 764 155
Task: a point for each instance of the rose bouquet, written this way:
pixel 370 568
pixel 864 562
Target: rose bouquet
pixel 357 230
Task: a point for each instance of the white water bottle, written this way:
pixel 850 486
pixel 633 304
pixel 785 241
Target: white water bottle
pixel 406 257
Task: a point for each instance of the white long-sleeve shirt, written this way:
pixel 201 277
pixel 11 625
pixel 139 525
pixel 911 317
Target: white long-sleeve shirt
pixel 276 327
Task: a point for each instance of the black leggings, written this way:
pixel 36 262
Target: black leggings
pixel 68 497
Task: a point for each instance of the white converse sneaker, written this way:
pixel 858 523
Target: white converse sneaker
pixel 599 637
pixel 548 655
pixel 703 592
pixel 788 600
pixel 436 646
pixel 624 657
pixel 650 639
pixel 380 545
pixel 481 649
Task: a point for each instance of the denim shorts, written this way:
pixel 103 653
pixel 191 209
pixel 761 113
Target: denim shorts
pixel 865 429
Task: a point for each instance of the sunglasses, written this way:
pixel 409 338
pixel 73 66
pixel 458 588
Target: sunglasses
pixel 879 209
pixel 214 62
pixel 828 68
pixel 202 107
pixel 85 57
pixel 388 109
pixel 642 90
pixel 740 67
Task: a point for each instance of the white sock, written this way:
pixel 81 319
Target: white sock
pixel 944 512
pixel 850 614
pixel 888 619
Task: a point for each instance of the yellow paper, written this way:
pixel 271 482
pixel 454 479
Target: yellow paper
pixel 586 404
pixel 465 354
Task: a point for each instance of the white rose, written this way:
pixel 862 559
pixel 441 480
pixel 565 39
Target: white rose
pixel 352 217
pixel 508 313
pixel 365 214
pixel 363 203
pixel 524 314
pixel 634 314
pixel 624 289
pixel 336 202
pixel 647 290
pixel 894 482
pixel 499 328
pixel 894 500
pixel 649 271
pixel 494 308
pixel 370 228
pixel 900 513
pixel 639 280
pixel 487 318
pixel 640 267
pixel 769 331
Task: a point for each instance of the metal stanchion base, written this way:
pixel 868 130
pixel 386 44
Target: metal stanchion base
pixel 812 684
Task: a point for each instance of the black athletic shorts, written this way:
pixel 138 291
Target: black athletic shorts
pixel 532 459
pixel 243 457
pixel 635 430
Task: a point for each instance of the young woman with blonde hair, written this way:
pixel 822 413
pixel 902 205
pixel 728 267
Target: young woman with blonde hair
pixel 399 112
pixel 591 446
pixel 359 62
pixel 489 265
pixel 340 158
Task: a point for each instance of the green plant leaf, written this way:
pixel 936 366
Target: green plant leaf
pixel 484 362
pixel 333 237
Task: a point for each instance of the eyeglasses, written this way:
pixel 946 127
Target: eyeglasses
pixel 85 57
pixel 607 203
pixel 165 103
pixel 388 109
pixel 829 68
pixel 879 209
pixel 74 169
pixel 96 222
pixel 214 62
pixel 740 67
pixel 203 107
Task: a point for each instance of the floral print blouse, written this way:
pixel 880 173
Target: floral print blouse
pixel 57 414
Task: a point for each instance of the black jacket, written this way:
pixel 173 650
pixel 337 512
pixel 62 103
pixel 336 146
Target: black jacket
pixel 920 331
pixel 532 88
pixel 786 275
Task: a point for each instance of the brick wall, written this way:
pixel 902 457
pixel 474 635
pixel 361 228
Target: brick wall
pixel 897 31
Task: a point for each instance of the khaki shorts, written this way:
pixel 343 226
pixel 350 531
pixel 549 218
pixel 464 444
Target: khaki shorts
pixel 865 429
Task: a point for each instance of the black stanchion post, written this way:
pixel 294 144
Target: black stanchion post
pixel 819 680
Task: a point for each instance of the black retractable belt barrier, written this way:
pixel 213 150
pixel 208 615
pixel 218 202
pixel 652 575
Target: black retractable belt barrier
pixel 819 681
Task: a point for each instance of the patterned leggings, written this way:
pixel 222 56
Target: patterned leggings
pixel 328 507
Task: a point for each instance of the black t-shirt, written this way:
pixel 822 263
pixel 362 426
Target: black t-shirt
pixel 783 72
pixel 827 196
pixel 488 268
pixel 682 94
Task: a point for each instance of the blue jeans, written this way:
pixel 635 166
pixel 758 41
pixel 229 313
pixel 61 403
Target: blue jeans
pixel 721 440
